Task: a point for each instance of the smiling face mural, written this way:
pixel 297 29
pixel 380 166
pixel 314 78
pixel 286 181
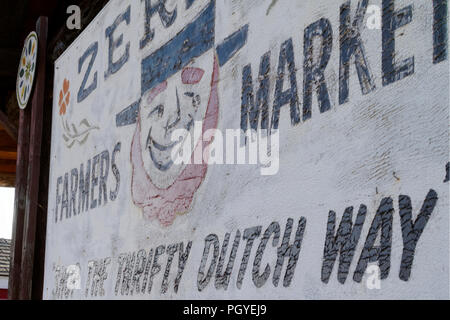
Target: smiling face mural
pixel 174 104
pixel 161 188
pixel 178 88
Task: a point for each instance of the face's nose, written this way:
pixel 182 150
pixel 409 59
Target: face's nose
pixel 174 118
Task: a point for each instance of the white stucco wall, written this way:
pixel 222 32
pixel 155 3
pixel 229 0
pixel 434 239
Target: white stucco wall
pixel 389 143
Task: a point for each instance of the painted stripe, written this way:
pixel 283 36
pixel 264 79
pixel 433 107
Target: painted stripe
pixel 228 48
pixel 194 40
pixel 128 115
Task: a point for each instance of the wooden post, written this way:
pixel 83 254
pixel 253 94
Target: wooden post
pixel 19 203
pixel 31 206
pixel 41 219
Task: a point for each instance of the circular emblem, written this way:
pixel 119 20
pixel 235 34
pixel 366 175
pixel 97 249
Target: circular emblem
pixel 27 68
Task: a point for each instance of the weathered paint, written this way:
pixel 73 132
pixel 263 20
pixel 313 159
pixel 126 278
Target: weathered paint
pixel 363 116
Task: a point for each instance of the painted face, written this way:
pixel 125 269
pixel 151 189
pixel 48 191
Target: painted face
pixel 174 104
pixel 165 202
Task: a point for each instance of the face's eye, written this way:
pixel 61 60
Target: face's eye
pixel 159 111
pixel 196 100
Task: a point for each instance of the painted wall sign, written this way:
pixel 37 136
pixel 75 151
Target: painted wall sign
pixel 27 68
pixel 356 204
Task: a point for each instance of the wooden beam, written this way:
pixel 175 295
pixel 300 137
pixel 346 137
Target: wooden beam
pixel 31 208
pixel 9 148
pixel 8 155
pixel 8 126
pixel 7 180
pixel 7 166
pixel 6 142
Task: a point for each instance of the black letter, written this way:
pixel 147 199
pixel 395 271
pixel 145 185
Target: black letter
pixel 113 67
pixel 289 96
pixel 141 261
pixel 127 273
pixel 73 190
pixel 291 251
pixel 314 73
pixel 440 31
pixel 104 171
pixel 202 281
pixel 94 180
pixel 249 234
pixel 83 92
pixel 392 20
pixel 382 254
pixel 344 242
pixel 250 110
pixel 147 270
pixel 65 197
pixel 352 45
pixel 260 280
pixel 411 232
pixel 83 198
pixel 222 280
pixel 156 268
pixel 182 260
pixel 167 18
pixel 170 252
pixel 115 170
pixel 58 198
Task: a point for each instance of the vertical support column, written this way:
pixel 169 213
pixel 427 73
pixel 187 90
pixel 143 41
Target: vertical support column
pixel 41 219
pixel 31 206
pixel 19 203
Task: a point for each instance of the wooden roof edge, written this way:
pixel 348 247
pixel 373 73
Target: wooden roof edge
pixel 9 127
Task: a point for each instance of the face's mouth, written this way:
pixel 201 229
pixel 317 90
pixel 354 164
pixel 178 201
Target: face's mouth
pixel 167 149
